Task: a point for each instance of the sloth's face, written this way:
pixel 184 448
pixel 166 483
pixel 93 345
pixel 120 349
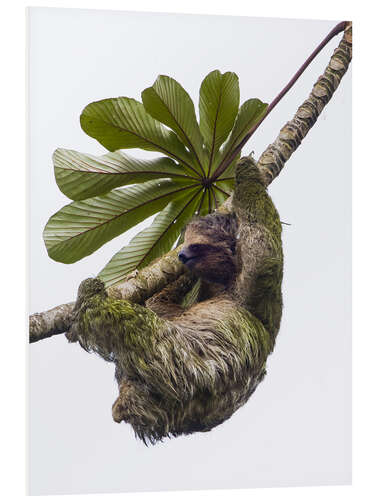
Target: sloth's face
pixel 192 254
pixel 211 260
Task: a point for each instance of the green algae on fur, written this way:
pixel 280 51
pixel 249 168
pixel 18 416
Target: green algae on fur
pixel 187 369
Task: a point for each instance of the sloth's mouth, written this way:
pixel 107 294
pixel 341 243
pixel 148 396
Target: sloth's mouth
pixel 190 261
pixel 187 257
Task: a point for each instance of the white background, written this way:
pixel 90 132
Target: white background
pixel 13 435
pixel 296 429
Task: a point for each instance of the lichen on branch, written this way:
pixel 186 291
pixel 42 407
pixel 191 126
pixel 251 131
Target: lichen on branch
pixel 137 288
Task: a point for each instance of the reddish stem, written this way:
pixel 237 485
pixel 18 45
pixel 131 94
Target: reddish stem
pixel 227 161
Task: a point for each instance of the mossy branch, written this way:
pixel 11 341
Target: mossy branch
pixel 137 288
pixel 145 283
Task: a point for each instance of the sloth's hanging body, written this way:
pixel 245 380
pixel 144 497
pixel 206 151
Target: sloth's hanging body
pixel 181 371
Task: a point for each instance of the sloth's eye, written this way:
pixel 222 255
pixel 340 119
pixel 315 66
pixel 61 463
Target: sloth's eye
pixel 196 247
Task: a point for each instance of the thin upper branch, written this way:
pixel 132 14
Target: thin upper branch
pixel 337 29
pixel 291 135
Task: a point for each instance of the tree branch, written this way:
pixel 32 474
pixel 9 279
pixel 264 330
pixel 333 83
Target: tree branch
pixel 143 284
pixel 291 135
pixel 136 288
pixel 335 31
pixel 51 322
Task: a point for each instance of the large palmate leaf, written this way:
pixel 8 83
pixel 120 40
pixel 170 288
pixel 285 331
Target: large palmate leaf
pixel 123 123
pixel 196 175
pixel 82 227
pixel 249 115
pixel 80 176
pixel 169 103
pixel 152 241
pixel 219 99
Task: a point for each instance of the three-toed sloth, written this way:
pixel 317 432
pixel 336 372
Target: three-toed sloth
pixel 186 369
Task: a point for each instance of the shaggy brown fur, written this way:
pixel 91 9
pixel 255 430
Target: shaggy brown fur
pixel 185 370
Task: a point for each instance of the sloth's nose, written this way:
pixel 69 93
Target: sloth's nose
pixel 182 257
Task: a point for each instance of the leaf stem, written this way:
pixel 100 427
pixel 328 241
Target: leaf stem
pixel 223 166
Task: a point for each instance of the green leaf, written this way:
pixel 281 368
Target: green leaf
pixel 230 171
pixel 226 185
pixel 193 295
pixel 82 227
pixel 221 192
pixel 169 103
pixel 226 180
pixel 153 241
pixel 80 176
pixel 249 115
pixel 218 107
pixel 123 123
pixel 204 206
